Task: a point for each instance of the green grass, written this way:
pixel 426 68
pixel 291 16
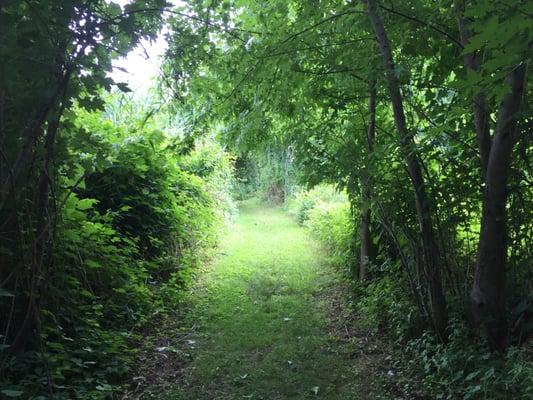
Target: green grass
pixel 261 328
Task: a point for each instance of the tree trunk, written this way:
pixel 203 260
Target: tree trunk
pixel 365 235
pixel 488 291
pixel 430 260
pixel 366 241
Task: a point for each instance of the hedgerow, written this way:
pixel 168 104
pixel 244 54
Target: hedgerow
pixel 138 217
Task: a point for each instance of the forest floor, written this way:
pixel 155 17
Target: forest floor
pixel 266 320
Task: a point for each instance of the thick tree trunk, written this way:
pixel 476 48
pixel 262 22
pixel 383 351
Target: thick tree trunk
pixel 488 291
pixel 407 146
pixel 365 235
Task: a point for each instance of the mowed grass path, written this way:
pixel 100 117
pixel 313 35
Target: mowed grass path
pixel 261 322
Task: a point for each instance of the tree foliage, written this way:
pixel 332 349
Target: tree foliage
pixel 446 170
pixel 301 73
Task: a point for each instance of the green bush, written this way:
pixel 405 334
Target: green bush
pixel 384 307
pixel 246 183
pixel 97 295
pixel 299 206
pixel 209 161
pixel 303 201
pixel 332 224
pixel 464 369
pixel 326 212
pixel 129 235
pixel 461 368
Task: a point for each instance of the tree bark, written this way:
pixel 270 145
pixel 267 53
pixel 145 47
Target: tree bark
pixel 365 234
pixel 488 291
pixel 366 241
pixel 430 256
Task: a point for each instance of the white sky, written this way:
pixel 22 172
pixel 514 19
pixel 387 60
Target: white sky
pixel 142 63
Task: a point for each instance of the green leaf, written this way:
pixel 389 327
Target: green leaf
pixel 92 264
pixel 123 87
pixel 85 204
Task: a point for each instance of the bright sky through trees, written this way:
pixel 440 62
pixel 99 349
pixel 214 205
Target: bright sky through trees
pixel 141 66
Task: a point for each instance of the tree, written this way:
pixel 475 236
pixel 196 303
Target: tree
pixel 299 73
pixel 489 288
pixel 365 234
pixel 54 53
pixel 430 257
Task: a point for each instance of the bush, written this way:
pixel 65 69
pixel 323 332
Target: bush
pixel 460 369
pixel 210 162
pixel 246 181
pixel 267 174
pixel 464 369
pixel 303 201
pixel 326 212
pixel 96 295
pixel 384 307
pixel 127 241
pixel 332 224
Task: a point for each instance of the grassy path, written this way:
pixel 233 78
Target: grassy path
pixel 262 328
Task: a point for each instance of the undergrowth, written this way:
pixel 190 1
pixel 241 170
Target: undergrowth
pixel 140 214
pixel 461 368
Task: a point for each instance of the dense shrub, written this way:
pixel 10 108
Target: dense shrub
pixel 462 368
pixel 210 162
pixel 303 201
pixel 332 225
pixel 246 182
pixel 384 307
pixel 267 174
pixel 275 174
pixel 97 296
pixel 326 213
pixel 138 219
